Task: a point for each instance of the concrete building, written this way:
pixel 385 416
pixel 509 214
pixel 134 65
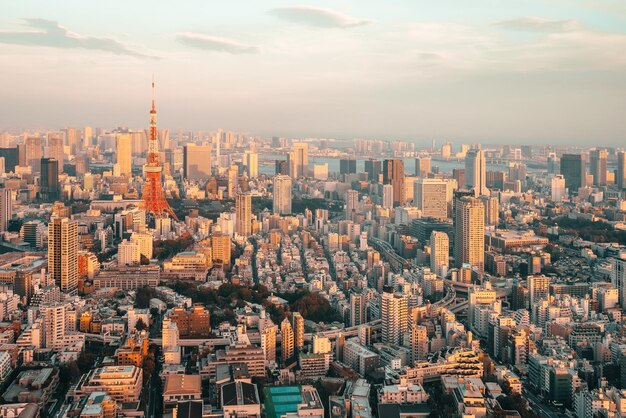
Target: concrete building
pixel 282 195
pixel 63 253
pixel 470 233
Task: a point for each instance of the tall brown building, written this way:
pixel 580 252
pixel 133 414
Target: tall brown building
pixel 393 173
pixel 194 323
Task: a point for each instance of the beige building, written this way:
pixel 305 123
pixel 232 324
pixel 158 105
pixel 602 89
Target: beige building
pixel 181 388
pixel 196 161
pixel 431 198
pixel 439 253
pixel 121 383
pixel 124 148
pixel 287 340
pixel 282 195
pixel 470 233
pixel 243 209
pixel 63 253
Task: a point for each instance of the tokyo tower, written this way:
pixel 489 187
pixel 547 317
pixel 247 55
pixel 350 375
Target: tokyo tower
pixel 153 194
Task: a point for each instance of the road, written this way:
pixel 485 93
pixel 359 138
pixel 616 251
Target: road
pixel 539 407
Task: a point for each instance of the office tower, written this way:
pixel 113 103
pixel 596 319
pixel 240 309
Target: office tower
pixel 281 167
pixel 431 197
pixel 87 137
pixel 347 166
pixel 439 253
pixel 573 169
pixel 492 210
pixel 446 150
pixel 153 193
pixel 388 196
pixel 553 163
pixel 373 168
pixel 597 166
pixel 6 208
pixel 458 174
pixel 620 174
pixel 299 160
pixel 352 203
pixel 63 253
pixel 469 239
pixel 476 172
pixel 393 173
pixel 287 340
pixel 55 150
pixel 282 195
pixel 54 324
pixel 251 161
pixel 33 152
pixel 11 158
pixel 298 331
pixel 558 188
pixel 496 179
pixel 128 253
pixel 220 244
pixel 394 316
pixel 49 180
pixel 233 178
pixel 538 288
pixel 23 284
pixel 73 139
pixel 243 209
pixel 197 162
pixel 422 166
pixel 358 304
pixel 124 150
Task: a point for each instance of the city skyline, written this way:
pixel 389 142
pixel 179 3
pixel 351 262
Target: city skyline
pixel 537 72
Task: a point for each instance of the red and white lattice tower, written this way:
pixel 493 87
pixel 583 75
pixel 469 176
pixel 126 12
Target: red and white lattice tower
pixel 153 194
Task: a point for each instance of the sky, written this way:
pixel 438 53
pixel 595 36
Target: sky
pixel 504 71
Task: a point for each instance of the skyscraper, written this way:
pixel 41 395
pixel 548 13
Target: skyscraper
pixel 243 208
pixel 123 150
pixel 558 188
pixel 357 308
pixel 282 195
pixel 347 166
pixel 439 253
pixel 55 150
pixel 298 331
pixel 573 169
pixel 49 181
pixel 63 253
pixel 251 161
pixel 388 196
pixel 597 166
pixel 422 166
pixel 196 162
pixel 469 238
pixel 287 340
pixel 281 167
pixel 73 139
pixel 233 177
pixel 6 208
pixel 431 198
pixel 492 209
pixel 299 160
pixel 476 172
pixel 393 173
pixel 373 169
pixel 394 315
pixel 352 203
pixel 33 153
pixel 620 178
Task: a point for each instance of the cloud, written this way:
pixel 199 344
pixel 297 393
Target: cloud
pixel 540 24
pixel 215 43
pixel 49 33
pixel 318 17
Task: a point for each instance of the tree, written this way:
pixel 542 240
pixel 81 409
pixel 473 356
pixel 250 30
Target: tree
pixel 140 325
pixel 85 361
pixel 143 296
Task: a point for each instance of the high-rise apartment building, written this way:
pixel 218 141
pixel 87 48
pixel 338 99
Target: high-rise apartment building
pixel 124 154
pixel 620 178
pixel 55 150
pixel 358 303
pixel 287 340
pixel 6 208
pixel 439 253
pixel 538 288
pixel 282 195
pixel 220 244
pixel 492 210
pixel 298 331
pixel 49 180
pixel 422 166
pixel 394 315
pixel 469 238
pixel 476 172
pixel 299 160
pixel 597 166
pixel 557 192
pixel 63 253
pixel 268 332
pixel 388 196
pixel 352 203
pixel 419 338
pixel 128 253
pixel 33 152
pixel 393 174
pixel 251 161
pixel 573 169
pixel 197 161
pixel 431 198
pixel 243 209
pixel 233 177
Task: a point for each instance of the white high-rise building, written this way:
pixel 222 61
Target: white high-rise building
pixel 251 161
pixel 128 253
pixel 63 253
pixel 439 253
pixel 171 335
pixel 6 208
pixel 394 315
pixel 282 195
pixel 388 196
pixel 476 172
pixel 558 188
pixel 431 197
pixel 54 324
pixel 352 203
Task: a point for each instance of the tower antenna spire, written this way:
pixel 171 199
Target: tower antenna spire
pixel 153 107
